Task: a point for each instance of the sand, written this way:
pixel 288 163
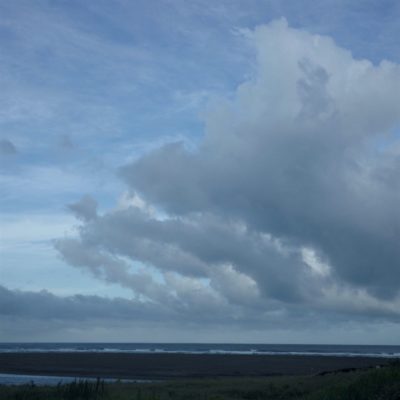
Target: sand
pixel 171 366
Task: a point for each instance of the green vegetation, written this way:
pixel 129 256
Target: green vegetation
pixel 382 384
pixel 82 390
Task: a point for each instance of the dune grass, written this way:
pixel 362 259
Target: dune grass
pixel 383 383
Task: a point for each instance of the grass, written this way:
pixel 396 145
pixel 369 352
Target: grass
pixel 377 384
pixel 82 390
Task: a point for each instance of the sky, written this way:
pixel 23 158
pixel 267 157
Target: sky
pixel 200 171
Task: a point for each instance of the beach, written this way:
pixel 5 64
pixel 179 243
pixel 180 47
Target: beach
pixel 176 365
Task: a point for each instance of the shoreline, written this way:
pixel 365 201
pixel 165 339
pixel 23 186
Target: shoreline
pixel 54 380
pixel 168 366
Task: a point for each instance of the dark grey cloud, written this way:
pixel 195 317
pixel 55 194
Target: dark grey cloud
pixel 85 209
pixel 295 155
pixel 289 206
pixel 45 305
pixel 199 247
pixel 45 316
pixel 7 147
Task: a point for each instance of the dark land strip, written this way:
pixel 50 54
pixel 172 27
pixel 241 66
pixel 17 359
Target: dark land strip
pixel 173 366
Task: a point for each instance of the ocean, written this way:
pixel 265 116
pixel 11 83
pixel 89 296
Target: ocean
pixel 210 348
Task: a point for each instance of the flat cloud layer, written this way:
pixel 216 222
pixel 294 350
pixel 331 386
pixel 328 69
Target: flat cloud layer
pixel 288 209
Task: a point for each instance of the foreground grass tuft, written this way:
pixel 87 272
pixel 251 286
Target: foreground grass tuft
pixel 78 390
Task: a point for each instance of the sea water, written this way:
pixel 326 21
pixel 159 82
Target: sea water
pixel 209 348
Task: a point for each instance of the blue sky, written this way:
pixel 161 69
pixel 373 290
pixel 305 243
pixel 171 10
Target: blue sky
pixel 88 88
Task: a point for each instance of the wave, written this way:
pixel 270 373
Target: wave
pixel 211 351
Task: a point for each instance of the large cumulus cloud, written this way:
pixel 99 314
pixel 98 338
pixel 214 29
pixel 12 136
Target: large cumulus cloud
pixel 288 207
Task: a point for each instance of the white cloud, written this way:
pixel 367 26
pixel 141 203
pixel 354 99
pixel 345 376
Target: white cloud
pixel 283 198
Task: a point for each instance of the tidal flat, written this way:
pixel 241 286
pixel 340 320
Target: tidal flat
pixel 176 366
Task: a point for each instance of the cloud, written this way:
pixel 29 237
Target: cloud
pixel 85 209
pixel 287 210
pixel 7 147
pixel 44 305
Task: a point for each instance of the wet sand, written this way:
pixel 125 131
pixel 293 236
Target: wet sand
pixel 171 366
